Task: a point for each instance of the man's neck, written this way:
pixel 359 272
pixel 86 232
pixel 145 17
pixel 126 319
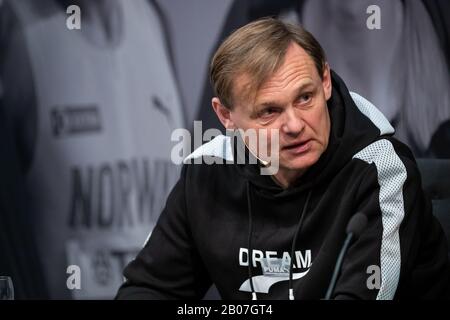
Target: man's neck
pixel 285 178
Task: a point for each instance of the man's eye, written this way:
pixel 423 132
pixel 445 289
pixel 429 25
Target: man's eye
pixel 268 112
pixel 305 97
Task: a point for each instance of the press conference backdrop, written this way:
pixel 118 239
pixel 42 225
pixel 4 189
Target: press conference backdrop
pixel 87 114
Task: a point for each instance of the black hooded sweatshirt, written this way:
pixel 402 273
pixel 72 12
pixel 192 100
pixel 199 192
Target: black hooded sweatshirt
pixel 229 225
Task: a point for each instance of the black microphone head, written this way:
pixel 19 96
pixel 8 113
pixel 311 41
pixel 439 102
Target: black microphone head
pixel 357 224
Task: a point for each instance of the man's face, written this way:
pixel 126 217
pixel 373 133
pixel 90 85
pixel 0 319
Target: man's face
pixel 293 101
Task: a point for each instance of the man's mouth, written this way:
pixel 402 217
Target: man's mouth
pixel 298 147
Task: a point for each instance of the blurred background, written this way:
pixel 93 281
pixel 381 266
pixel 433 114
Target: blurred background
pixel 89 99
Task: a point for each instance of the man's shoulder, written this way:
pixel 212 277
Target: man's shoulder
pixel 210 162
pixel 218 150
pixel 390 156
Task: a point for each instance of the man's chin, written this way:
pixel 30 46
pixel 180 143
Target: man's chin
pixel 300 163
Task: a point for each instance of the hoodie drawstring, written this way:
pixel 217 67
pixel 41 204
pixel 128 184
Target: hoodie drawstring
pixel 250 249
pixel 249 240
pixel 297 231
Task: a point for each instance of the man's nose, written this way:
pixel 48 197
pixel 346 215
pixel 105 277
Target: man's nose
pixel 293 124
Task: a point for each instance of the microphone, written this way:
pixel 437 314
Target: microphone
pixel 354 229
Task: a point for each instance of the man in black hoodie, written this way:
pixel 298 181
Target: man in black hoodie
pixel 278 236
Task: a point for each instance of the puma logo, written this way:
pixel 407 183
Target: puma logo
pixel 275 269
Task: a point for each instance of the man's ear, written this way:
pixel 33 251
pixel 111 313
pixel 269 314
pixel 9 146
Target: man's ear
pixel 326 81
pixel 223 113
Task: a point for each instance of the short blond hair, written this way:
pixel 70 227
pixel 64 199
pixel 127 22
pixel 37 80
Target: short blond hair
pixel 258 50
